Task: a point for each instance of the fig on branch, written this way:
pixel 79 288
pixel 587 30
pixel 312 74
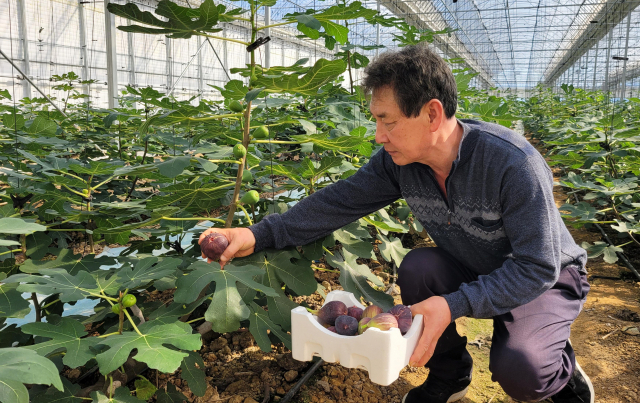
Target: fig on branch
pixel 355 312
pixel 129 300
pixel 371 311
pixel 329 312
pixel 355 160
pixel 403 315
pixel 115 309
pixel 235 106
pixel 261 132
pixel 346 325
pixel 213 245
pixel 247 176
pixel 251 197
pixel 239 151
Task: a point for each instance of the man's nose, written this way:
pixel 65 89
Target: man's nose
pixel 381 136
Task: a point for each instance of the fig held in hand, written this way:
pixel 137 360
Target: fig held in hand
pixel 213 245
pixel 346 325
pixel 403 315
pixel 355 312
pixel 371 311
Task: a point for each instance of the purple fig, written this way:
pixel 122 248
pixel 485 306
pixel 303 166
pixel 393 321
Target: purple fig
pixel 383 321
pixel 329 312
pixel 346 325
pixel 403 315
pixel 362 326
pixel 355 312
pixel 213 245
pixel 371 311
pixel 332 329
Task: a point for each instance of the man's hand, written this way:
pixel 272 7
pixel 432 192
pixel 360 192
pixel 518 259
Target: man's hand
pixel 241 243
pixel 436 316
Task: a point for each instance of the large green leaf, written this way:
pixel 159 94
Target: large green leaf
pixel 42 126
pixel 315 169
pixel 147 270
pixel 121 395
pixel 260 325
pixel 323 72
pixel 56 281
pixel 392 251
pixel 227 308
pixel 182 22
pixel 171 395
pixel 12 305
pixel 52 395
pixel 193 195
pixel 68 261
pixel 19 226
pixel 19 366
pixel 67 334
pixel 151 347
pixel 354 276
pixel 193 372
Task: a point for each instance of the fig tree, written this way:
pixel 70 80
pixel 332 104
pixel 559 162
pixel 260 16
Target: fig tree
pixel 329 312
pixel 251 197
pixel 355 312
pixel 239 151
pixel 213 245
pixel 403 315
pixel 129 300
pixel 371 311
pixel 346 325
pixel 235 106
pixel 261 132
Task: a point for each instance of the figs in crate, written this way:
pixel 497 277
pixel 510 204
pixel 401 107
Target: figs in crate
pixel 371 311
pixel 403 316
pixel 330 311
pixel 346 325
pixel 355 312
pixel 332 329
pixel 382 321
pixel 362 325
pixel 213 245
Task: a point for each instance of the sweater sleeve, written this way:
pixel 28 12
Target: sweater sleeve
pixel 533 226
pixel 374 186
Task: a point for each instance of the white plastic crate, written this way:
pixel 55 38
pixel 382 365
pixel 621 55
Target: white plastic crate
pixel 382 353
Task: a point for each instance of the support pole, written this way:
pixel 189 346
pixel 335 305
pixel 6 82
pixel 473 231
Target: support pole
pixel 586 69
pixel 606 72
pixel 378 33
pixel 173 86
pixel 200 71
pixel 112 57
pixel 267 46
pixel 595 67
pixel 169 63
pixel 624 66
pixel 83 48
pixel 24 39
pixel 132 58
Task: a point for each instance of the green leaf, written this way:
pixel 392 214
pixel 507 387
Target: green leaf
pixel 253 94
pixel 122 395
pixel 227 308
pixel 54 281
pixel 189 196
pixel 323 72
pixel 12 305
pixel 52 395
pixel 151 347
pixel 354 276
pixel 19 226
pixel 144 389
pixel 602 248
pixel 147 270
pixel 260 325
pixel 13 121
pixel 67 334
pixel 42 126
pixel 68 261
pixel 193 372
pixel 315 169
pixel 95 168
pixel 171 395
pixel 174 166
pixel 18 366
pixel 392 251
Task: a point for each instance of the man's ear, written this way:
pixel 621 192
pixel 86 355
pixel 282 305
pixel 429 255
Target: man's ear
pixel 434 111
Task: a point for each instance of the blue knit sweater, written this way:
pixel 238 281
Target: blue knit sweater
pixel 499 217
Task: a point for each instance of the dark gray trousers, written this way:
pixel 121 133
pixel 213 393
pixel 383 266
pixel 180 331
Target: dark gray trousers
pixel 530 356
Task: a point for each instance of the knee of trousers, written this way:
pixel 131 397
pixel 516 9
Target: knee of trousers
pixel 522 373
pixel 423 268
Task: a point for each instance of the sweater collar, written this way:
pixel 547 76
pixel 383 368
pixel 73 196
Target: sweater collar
pixel 467 143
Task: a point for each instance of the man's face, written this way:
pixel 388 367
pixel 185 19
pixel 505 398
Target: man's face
pixel 403 138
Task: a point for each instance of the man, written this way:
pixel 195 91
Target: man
pixel 484 195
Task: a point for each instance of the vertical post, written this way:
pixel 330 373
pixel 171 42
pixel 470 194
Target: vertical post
pixel 586 69
pixel 83 47
pixel 132 58
pixel 267 46
pixel 606 71
pixel 24 39
pixel 225 57
pixel 378 32
pixel 169 68
pixel 112 61
pixel 624 66
pixel 595 67
pixel 200 72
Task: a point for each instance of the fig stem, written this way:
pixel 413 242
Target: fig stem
pixel 312 311
pixel 323 269
pixel 246 214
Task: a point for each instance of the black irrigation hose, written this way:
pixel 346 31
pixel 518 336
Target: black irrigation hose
pixel 302 381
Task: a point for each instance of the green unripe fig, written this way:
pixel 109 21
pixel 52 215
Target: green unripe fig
pixel 239 151
pixel 247 176
pixel 261 132
pixel 128 300
pixel 251 197
pixel 115 309
pixel 253 80
pixel 85 191
pixel 355 160
pixel 235 106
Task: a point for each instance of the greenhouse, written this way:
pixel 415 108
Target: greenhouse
pixel 314 201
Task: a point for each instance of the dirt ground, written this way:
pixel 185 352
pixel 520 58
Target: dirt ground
pixel 603 338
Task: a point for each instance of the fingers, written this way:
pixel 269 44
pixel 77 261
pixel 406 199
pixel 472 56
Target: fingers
pixel 423 351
